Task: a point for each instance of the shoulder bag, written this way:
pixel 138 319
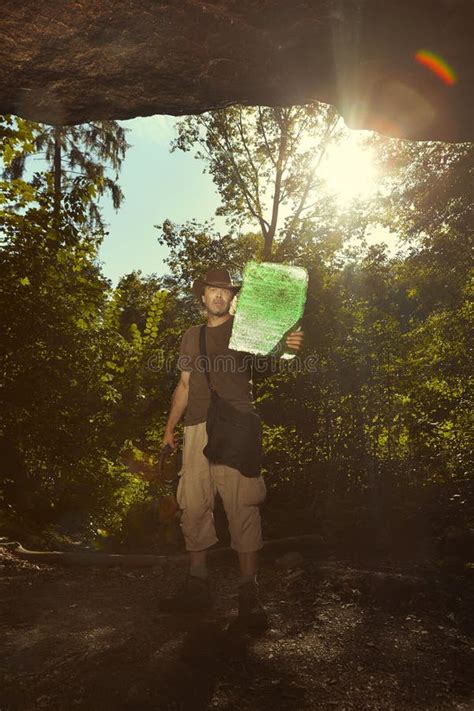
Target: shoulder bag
pixel 234 437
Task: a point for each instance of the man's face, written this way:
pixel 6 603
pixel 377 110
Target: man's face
pixel 217 300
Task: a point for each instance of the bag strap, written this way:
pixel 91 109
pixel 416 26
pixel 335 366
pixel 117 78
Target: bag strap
pixel 202 348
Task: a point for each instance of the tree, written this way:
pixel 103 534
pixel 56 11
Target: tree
pixel 264 163
pixel 90 147
pixel 427 187
pixel 193 247
pixel 142 315
pixel 428 200
pixel 55 404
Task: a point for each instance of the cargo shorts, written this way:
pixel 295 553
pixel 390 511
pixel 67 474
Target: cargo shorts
pixel 199 481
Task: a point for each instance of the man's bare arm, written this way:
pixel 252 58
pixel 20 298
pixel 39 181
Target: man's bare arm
pixel 179 403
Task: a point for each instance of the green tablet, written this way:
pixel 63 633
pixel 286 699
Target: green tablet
pixel 270 304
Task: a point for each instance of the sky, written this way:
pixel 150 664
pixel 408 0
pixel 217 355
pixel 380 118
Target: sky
pixel 157 185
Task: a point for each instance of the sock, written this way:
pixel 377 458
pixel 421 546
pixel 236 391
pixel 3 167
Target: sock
pixel 199 571
pixel 248 579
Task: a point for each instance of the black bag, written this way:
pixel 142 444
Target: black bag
pixel 234 437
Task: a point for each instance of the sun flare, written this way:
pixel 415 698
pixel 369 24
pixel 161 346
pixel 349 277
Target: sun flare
pixel 349 170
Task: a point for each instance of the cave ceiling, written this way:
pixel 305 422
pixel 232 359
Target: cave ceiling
pixel 401 68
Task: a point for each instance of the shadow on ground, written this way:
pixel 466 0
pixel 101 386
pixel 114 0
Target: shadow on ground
pixel 94 639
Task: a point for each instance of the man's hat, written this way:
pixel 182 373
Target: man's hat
pixel 214 277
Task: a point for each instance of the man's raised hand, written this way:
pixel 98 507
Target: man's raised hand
pixel 294 340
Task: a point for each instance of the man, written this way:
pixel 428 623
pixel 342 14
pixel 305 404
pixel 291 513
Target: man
pixel 200 480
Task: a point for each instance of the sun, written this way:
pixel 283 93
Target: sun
pixel 348 169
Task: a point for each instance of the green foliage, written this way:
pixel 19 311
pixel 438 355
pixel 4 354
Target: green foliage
pixel 70 372
pixel 380 420
pixel 16 138
pixel 133 490
pixel 55 407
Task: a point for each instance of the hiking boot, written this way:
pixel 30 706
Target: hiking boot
pixel 195 595
pixel 252 615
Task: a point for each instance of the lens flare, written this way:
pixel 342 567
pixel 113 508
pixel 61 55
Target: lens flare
pixel 437 65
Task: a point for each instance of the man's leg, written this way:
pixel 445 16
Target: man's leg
pixel 241 497
pixel 198 563
pixel 248 565
pixel 195 497
pixel 198 557
pixel 252 614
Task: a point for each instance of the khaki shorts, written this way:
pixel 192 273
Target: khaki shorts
pixel 199 481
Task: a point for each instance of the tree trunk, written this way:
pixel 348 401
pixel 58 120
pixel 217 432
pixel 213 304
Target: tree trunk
pixel 57 176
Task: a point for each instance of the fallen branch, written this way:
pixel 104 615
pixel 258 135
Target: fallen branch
pixel 141 560
pixel 106 560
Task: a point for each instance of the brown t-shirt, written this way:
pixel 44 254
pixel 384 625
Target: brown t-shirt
pixel 230 371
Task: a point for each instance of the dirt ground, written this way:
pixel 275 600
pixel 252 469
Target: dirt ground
pixel 89 638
